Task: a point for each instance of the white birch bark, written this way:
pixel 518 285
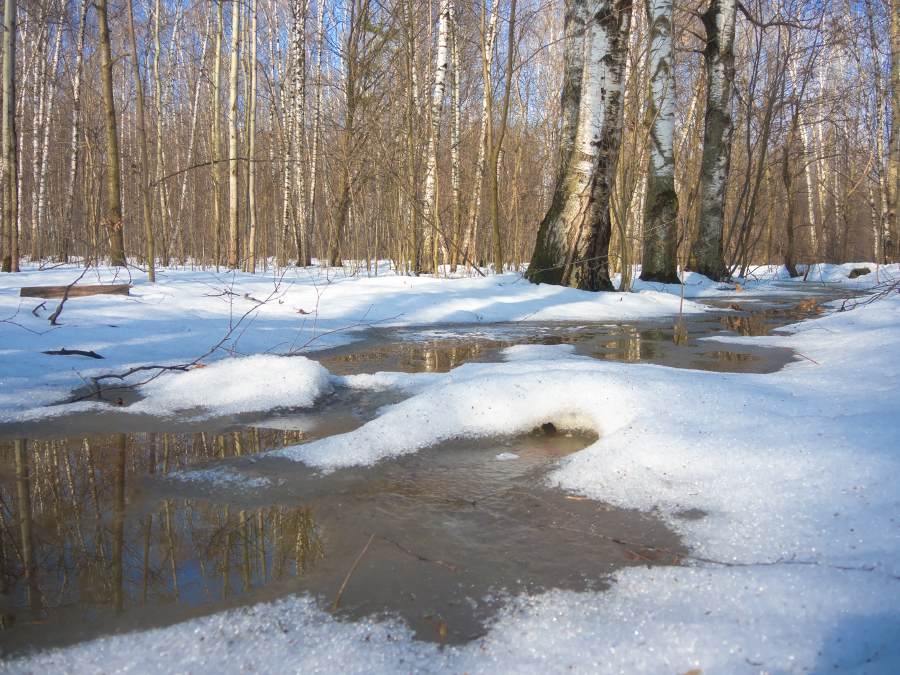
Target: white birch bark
pixel 720 21
pixel 317 121
pixel 573 239
pixel 45 144
pixel 661 220
pixel 251 141
pixel 233 135
pixel 298 106
pixel 76 124
pixel 468 246
pixel 195 106
pixel 454 136
pixel 441 66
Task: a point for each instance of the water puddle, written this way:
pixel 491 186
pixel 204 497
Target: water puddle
pixel 107 530
pixel 102 536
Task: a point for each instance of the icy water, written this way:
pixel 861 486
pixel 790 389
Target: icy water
pixel 105 529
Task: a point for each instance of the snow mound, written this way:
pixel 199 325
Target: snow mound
pixel 237 385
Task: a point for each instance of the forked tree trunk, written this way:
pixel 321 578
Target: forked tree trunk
pixel 573 239
pixel 660 261
pixel 720 21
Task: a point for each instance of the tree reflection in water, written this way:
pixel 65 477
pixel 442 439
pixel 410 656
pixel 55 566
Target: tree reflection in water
pixel 78 540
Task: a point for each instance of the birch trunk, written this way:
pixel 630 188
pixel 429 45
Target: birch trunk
pixel 142 132
pixel 233 205
pixel 430 205
pixel 487 52
pixel 573 239
pixel 195 106
pixel 891 231
pixel 720 21
pixel 879 142
pixel 114 217
pixel 317 123
pixel 298 106
pixel 251 142
pixel 660 261
pixel 160 124
pixel 454 139
pixel 76 122
pixel 45 143
pixel 217 135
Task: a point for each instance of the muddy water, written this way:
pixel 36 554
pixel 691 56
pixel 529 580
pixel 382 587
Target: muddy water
pixel 106 530
pixel 113 538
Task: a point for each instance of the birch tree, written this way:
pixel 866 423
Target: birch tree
pixel 661 222
pixel 233 205
pixel 719 20
pixel 430 206
pixel 573 239
pixel 142 132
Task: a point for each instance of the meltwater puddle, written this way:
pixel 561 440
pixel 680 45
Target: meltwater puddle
pixel 119 542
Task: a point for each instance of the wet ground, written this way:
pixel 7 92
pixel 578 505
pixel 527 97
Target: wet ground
pixel 106 529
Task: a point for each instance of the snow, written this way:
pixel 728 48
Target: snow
pixel 794 567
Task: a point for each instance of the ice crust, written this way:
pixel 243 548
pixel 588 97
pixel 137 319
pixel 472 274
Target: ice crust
pixel 795 566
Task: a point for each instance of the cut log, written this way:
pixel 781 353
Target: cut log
pixel 49 292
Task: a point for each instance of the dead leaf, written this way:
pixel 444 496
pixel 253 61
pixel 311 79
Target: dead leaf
pixel 737 287
pixel 736 307
pixel 303 311
pixel 631 555
pixel 440 626
pixel 647 556
pixel 694 671
pixel 197 366
pixel 580 499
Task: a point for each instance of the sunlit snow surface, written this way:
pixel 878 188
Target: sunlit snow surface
pixel 796 470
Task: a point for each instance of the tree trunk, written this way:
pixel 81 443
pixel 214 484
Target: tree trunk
pixel 660 261
pixel 233 253
pixel 142 132
pixel 217 131
pixel 573 239
pixel 720 21
pixel 10 140
pixel 114 218
pixel 430 205
pixel 251 142
pixel 76 121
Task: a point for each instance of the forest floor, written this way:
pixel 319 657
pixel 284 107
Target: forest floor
pixel 794 562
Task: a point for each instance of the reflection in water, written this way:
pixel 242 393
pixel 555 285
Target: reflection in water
pixel 74 549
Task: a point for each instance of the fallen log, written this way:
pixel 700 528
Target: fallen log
pixel 51 292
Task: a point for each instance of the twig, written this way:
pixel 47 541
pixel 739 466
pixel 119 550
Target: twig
pixel 711 561
pixel 34 311
pixel 55 315
pixel 343 585
pixel 416 555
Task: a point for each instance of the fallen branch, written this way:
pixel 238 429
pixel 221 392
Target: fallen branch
pixel 627 545
pixel 415 555
pixel 343 585
pixel 73 352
